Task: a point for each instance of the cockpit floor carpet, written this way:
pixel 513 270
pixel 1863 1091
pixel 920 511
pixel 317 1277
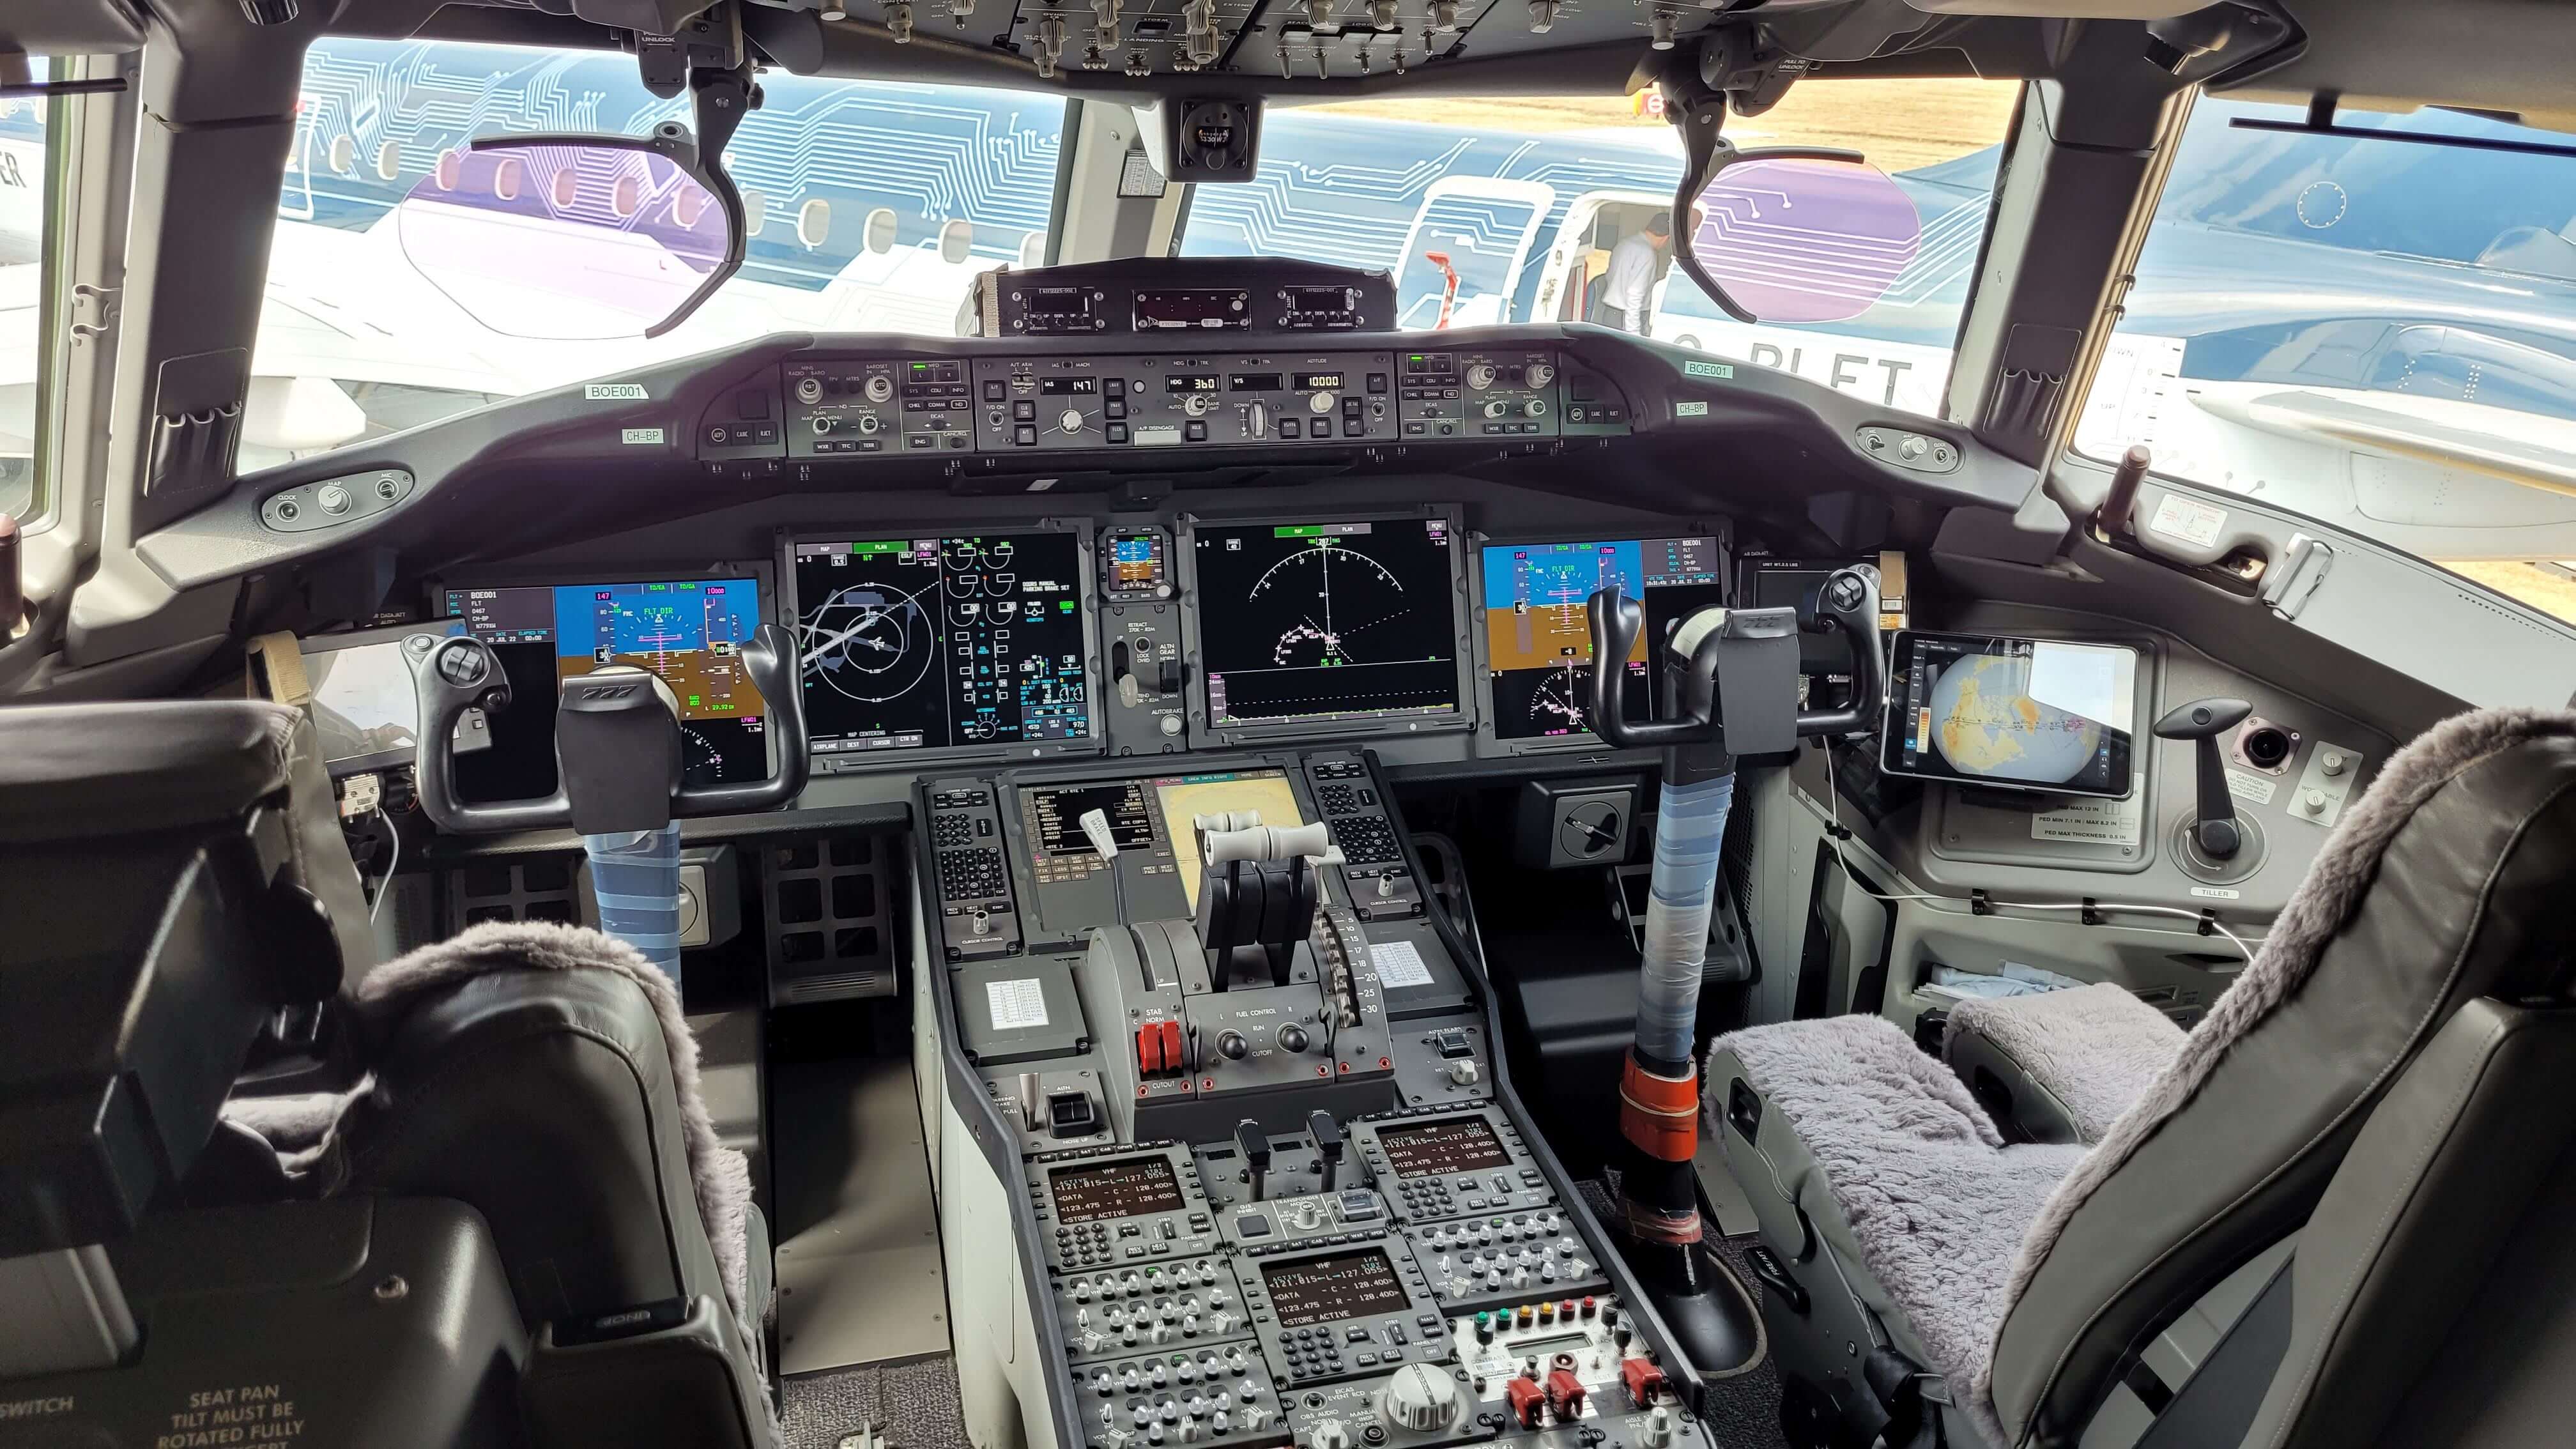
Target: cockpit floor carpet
pixel 910 1404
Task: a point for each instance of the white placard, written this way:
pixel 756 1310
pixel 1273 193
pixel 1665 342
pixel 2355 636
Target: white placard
pixel 1398 964
pixel 2254 789
pixel 615 392
pixel 2194 522
pixel 1138 176
pixel 2090 822
pixel 1016 1005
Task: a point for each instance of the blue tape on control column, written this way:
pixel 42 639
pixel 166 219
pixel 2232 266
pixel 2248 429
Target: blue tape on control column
pixel 635 877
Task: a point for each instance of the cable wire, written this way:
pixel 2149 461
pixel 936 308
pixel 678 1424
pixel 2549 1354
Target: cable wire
pixel 1834 812
pixel 385 887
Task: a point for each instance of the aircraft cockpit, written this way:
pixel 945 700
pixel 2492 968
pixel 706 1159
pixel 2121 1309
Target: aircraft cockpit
pixel 1354 724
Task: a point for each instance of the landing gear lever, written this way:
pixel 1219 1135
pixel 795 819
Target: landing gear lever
pixel 2213 826
pixel 1729 680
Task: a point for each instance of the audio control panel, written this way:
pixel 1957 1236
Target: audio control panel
pixel 1215 399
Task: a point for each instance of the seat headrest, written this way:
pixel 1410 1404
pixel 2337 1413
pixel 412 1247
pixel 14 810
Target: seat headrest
pixel 94 770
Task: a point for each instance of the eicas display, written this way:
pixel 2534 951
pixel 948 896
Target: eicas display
pixel 1327 621
pixel 1538 628
pixel 942 642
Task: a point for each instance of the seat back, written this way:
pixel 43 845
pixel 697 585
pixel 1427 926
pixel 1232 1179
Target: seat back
pixel 543 1075
pixel 2445 884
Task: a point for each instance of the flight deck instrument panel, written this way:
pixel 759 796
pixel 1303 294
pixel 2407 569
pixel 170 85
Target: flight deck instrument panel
pixel 1328 622
pixel 969 641
pixel 1537 628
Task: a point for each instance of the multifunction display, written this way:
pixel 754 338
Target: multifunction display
pixel 1327 621
pixel 1345 1285
pixel 1114 1190
pixel 942 642
pixel 1538 628
pixel 690 632
pixel 1056 817
pixel 1438 1149
pixel 2020 714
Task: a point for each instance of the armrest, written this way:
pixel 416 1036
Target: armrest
pixel 2059 1066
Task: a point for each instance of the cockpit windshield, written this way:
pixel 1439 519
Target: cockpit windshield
pixel 870 207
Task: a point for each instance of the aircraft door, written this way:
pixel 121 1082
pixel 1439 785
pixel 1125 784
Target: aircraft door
pixel 1463 254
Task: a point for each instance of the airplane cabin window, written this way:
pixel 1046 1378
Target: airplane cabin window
pixel 1516 209
pixel 976 184
pixel 2374 327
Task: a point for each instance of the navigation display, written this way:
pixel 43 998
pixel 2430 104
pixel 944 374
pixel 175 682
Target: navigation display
pixel 688 631
pixel 1114 1190
pixel 1327 621
pixel 1538 630
pixel 1345 1285
pixel 1437 1149
pixel 2014 714
pixel 931 643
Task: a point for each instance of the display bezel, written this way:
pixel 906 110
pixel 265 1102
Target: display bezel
pixel 1085 535
pixel 1489 736
pixel 763 575
pixel 1901 664
pixel 1185 569
pixel 389 636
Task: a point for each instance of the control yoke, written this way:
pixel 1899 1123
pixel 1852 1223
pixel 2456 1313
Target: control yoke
pixel 617 742
pixel 1732 673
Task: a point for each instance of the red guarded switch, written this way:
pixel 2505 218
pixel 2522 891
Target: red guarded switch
pixel 1645 1382
pixel 1565 1394
pixel 1526 1400
pixel 1173 1060
pixel 1149 1050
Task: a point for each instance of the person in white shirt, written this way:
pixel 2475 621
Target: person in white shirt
pixel 1628 286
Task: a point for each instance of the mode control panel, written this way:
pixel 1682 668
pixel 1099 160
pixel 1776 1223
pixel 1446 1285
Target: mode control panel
pixel 1479 394
pixel 1120 1207
pixel 845 406
pixel 1440 1163
pixel 1231 399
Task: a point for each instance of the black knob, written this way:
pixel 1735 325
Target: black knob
pixel 1231 1044
pixel 1292 1038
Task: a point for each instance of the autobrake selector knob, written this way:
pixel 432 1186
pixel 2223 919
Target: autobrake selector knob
pixel 1421 1397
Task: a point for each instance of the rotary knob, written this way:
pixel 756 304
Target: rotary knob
pixel 1328 1434
pixel 809 390
pixel 1321 402
pixel 1196 404
pixel 1292 1038
pixel 868 425
pixel 1480 374
pixel 1498 409
pixel 1538 374
pixel 880 387
pixel 1421 1397
pixel 1070 420
pixel 1232 1045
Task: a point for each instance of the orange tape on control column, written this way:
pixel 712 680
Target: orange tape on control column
pixel 1659 1114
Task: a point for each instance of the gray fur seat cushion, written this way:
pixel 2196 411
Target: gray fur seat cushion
pixel 1935 1199
pixel 2095 1049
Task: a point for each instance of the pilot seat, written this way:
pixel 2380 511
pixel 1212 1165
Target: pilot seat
pixel 512 1225
pixel 2357 1167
